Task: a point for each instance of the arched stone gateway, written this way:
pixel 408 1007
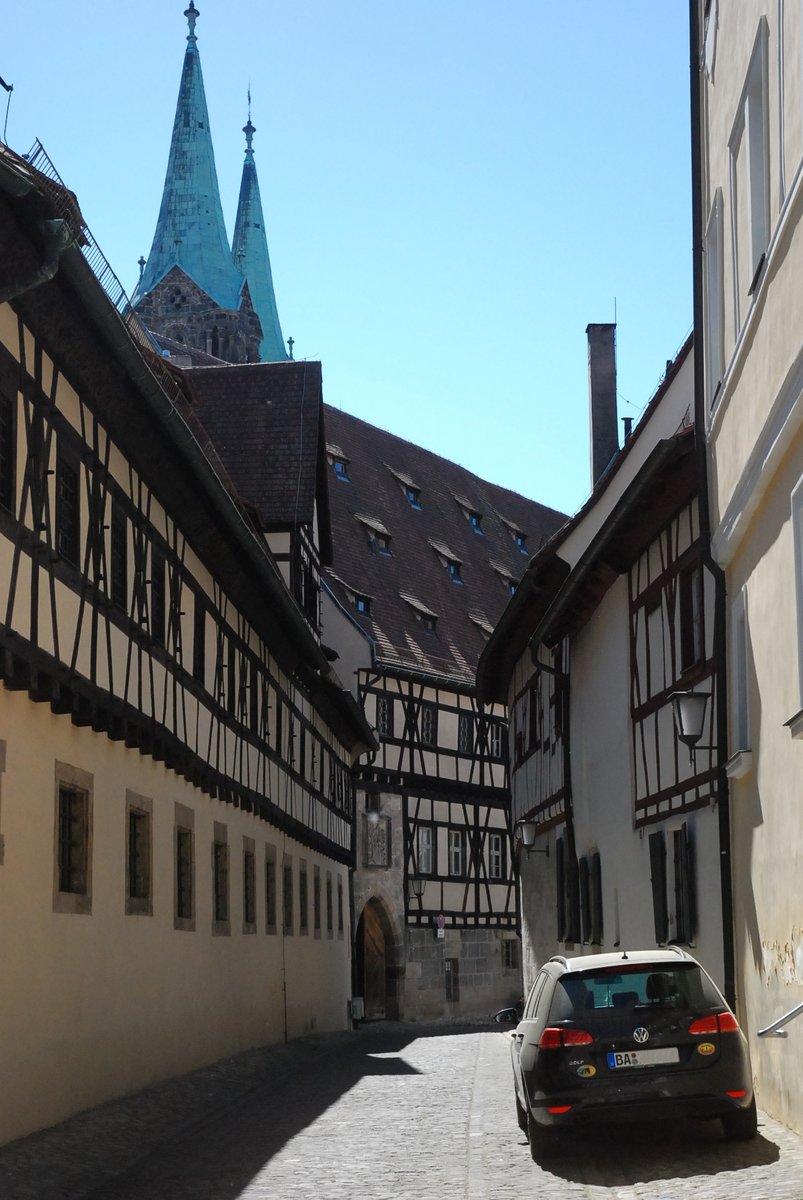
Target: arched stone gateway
pixel 378 962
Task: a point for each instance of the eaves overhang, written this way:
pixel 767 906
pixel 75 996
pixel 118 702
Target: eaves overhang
pixel 667 480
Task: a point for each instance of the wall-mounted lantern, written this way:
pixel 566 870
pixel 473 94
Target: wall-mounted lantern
pixel 526 832
pixel 689 709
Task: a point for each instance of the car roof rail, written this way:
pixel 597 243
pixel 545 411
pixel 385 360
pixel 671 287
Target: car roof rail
pixel 678 950
pixel 559 958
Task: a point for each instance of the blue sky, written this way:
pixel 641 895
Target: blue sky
pixel 453 190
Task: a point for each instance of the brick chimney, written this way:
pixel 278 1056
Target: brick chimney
pixel 602 397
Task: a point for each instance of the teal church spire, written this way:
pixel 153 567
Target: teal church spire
pixel 250 254
pixel 190 232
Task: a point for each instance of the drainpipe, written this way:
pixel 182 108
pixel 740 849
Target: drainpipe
pixel 720 594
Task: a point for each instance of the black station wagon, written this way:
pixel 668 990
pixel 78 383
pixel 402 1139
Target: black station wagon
pixel 636 1035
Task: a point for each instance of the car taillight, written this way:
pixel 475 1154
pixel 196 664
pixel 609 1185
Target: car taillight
pixel 560 1108
pixel 553 1038
pixel 737 1095
pixel 716 1023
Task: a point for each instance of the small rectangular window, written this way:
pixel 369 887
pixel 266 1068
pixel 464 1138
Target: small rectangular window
pixel 497 865
pixel 119 559
pixel 68 513
pixel 249 887
pixel 429 724
pixel 270 889
pixel 158 597
pixel 138 865
pixel 8 455
pixel 496 740
pixel 384 716
pixel 316 901
pixel 199 642
pixel 465 733
pixel 457 852
pixel 220 880
pixel 426 847
pixel 303 899
pixel 451 968
pixel 690 587
pixel 184 874
pixel 287 897
pixel 510 955
pixel 329 905
pixel 73 840
pixel 339 907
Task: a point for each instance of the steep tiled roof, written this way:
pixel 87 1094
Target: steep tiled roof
pixel 265 422
pixel 413 581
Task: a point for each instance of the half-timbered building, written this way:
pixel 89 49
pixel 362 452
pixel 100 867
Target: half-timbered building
pixel 426 555
pixel 613 617
pixel 176 828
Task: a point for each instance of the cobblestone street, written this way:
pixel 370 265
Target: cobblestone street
pixel 390 1112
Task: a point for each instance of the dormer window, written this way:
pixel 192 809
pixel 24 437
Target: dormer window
pixel 521 540
pixel 507 578
pixel 339 462
pixel 454 570
pixel 475 521
pixel 378 535
pixel 426 616
pixel 363 605
pixel 412 492
pixel 413 495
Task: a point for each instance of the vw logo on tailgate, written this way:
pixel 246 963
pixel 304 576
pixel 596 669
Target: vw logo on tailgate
pixel 641 1035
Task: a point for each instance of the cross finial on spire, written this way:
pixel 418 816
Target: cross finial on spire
pixel 290 343
pixel 249 130
pixel 141 264
pixel 192 15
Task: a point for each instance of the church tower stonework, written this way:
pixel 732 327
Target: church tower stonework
pixel 193 290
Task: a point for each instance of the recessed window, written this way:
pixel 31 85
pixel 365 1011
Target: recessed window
pixel 303 898
pixel 340 466
pixel 521 540
pixel 475 521
pixel 339 907
pixel 73 852
pixel 455 570
pixel 138 857
pixel 220 880
pixel 270 889
pixel 249 887
pixel 329 905
pixel 382 543
pixel 287 897
pixel 413 495
pixel 363 605
pixel 510 955
pixel 184 874
pixel 451 967
pixel 316 901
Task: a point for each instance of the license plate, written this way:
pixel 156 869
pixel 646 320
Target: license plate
pixel 643 1058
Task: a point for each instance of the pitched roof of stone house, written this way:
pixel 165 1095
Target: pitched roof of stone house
pixel 432 547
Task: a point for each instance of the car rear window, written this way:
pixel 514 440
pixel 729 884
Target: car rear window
pixel 644 987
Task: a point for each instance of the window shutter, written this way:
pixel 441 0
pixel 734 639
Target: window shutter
pixel 596 899
pixel 684 885
pixel 560 887
pixel 573 900
pixel 658 877
pixel 585 905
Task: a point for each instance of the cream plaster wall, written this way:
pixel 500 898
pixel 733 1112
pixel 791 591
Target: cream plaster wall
pixel 92 1006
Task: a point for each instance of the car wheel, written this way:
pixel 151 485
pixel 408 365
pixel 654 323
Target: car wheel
pixel 742 1124
pixel 521 1114
pixel 542 1141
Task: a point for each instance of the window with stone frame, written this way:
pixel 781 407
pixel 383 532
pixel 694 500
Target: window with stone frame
pixel 340 915
pixel 511 958
pixel 451 967
pixel 220 880
pixel 270 889
pixel 329 905
pixel 139 897
pixel 287 896
pixel 184 874
pixel 303 898
pixel 249 887
pixel 73 840
pixel 316 901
